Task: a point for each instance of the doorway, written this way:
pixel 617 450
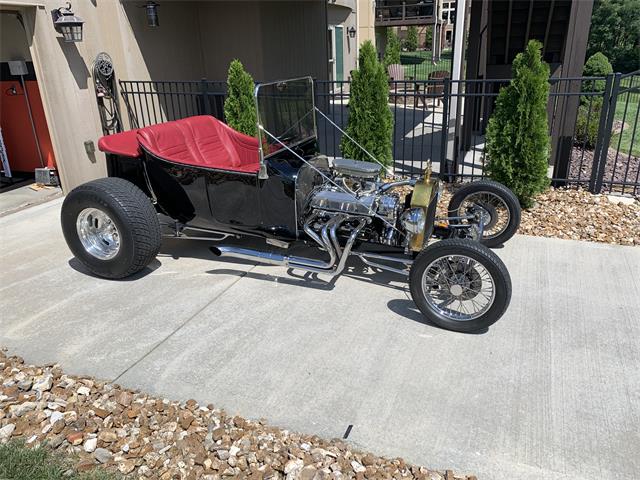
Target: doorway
pixel 25 143
pixel 336 52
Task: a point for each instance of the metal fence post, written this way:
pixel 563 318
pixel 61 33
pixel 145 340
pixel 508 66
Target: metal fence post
pixel 445 165
pixel 601 151
pixel 204 88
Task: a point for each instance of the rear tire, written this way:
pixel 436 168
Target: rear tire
pixel 460 271
pixel 500 200
pixel 111 226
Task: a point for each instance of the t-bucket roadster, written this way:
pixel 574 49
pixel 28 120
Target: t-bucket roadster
pixel 214 183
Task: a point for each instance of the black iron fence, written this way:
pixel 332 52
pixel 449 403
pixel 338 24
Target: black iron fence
pixel 593 123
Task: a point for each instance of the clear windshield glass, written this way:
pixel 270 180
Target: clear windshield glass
pixel 286 111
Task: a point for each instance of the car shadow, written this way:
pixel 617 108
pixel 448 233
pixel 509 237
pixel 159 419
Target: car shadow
pixel 79 267
pixel 407 308
pixel 354 268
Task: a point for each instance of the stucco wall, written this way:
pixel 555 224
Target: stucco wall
pixel 366 21
pixel 343 12
pixel 195 39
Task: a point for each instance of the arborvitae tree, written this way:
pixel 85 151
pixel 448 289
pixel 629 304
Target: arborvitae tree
pixel 370 119
pixel 392 50
pixel 239 107
pixel 412 39
pixel 517 135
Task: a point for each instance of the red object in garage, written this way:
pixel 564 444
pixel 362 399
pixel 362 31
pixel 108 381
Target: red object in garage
pixel 16 127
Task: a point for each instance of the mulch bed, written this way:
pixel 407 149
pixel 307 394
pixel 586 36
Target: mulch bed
pixel 148 437
pixel 620 167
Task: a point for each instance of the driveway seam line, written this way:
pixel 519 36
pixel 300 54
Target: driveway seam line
pixel 179 327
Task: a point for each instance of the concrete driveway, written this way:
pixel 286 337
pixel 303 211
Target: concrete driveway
pixel 551 391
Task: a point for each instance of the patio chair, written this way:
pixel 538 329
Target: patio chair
pixel 435 89
pixel 399 84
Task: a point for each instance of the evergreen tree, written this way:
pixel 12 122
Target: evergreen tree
pixel 597 66
pixel 392 50
pixel 517 136
pixel 412 39
pixel 239 107
pixel 370 119
pixel 615 31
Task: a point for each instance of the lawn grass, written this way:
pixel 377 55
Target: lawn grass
pixel 422 70
pixel 630 120
pixel 18 462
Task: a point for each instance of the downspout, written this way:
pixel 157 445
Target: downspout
pixel 456 75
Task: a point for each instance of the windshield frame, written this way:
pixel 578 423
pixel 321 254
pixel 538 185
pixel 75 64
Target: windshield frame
pixel 262 137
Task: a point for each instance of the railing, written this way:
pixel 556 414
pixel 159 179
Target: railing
pixel 400 12
pixel 593 123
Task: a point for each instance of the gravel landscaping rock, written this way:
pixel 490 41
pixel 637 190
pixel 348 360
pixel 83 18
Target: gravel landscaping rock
pixel 147 437
pixel 576 214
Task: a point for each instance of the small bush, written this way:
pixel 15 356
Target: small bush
pixel 597 66
pixel 392 50
pixel 239 107
pixel 411 43
pixel 370 121
pixel 587 123
pixel 517 136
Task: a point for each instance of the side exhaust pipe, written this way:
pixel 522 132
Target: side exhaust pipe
pixel 302 263
pixel 268 257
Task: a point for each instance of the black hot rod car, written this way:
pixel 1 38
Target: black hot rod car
pixel 213 183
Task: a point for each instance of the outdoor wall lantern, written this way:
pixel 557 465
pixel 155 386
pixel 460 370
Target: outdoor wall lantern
pixel 352 31
pixel 152 14
pixel 67 23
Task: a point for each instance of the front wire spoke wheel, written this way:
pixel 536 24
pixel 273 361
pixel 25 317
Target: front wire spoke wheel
pixel 459 284
pixel 467 282
pixel 493 211
pixel 488 204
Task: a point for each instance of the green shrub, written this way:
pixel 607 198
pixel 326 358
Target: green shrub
pixel 597 66
pixel 239 107
pixel 517 136
pixel 411 43
pixel 370 120
pixel 392 50
pixel 587 123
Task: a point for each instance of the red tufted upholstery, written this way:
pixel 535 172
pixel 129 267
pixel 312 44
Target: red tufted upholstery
pixel 201 141
pixel 125 144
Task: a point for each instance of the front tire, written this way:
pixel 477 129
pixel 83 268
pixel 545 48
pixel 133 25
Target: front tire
pixel 111 226
pixel 500 209
pixel 460 285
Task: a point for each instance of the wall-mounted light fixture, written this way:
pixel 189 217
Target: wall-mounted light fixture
pixel 351 31
pixel 152 14
pixel 67 23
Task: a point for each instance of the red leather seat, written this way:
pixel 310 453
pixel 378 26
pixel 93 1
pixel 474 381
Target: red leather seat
pixel 202 141
pixel 124 143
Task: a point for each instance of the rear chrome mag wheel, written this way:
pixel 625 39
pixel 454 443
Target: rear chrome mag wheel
pixel 98 233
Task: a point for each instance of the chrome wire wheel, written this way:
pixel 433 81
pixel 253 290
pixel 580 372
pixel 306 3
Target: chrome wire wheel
pixel 494 212
pixel 458 287
pixel 98 233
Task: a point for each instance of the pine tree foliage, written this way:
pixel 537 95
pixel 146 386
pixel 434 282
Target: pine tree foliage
pixel 239 107
pixel 370 121
pixel 412 39
pixel 392 50
pixel 517 136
